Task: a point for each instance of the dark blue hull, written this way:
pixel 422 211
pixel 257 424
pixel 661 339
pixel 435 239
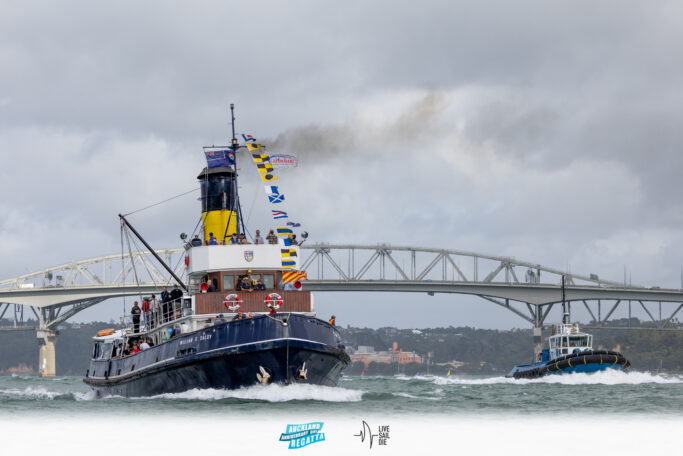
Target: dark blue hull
pixel 582 362
pixel 227 356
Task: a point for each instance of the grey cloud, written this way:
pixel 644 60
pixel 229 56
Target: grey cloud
pixel 530 129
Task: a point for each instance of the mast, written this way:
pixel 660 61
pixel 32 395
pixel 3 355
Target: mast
pixel 565 305
pixel 236 206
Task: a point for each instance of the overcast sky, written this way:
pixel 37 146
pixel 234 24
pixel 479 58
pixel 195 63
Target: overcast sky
pixel 548 132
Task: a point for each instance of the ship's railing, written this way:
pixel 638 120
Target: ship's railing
pixel 157 317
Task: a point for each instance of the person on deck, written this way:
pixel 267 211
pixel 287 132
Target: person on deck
pixel 258 239
pixel 175 297
pixel 165 298
pixel 333 321
pixel 135 348
pixel 196 242
pixel 260 286
pixel 246 285
pixel 271 238
pixel 154 305
pixel 243 239
pixel 233 239
pixel 212 239
pixel 164 295
pixel 146 323
pixel 135 313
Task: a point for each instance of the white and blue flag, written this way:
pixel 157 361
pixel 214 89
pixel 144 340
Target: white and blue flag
pixel 272 190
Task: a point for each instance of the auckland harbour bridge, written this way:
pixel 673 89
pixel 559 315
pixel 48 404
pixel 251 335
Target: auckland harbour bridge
pixel 53 295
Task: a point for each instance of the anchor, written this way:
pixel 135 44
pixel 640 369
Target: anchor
pixel 264 376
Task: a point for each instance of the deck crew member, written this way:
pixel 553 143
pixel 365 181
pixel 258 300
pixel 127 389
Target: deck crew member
pixel 333 321
pixel 258 239
pixel 135 313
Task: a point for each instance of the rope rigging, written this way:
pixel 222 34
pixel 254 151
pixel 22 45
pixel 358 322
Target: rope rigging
pixel 161 202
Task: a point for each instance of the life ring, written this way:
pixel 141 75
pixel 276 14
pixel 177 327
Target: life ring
pixel 233 301
pixel 105 332
pixel 274 301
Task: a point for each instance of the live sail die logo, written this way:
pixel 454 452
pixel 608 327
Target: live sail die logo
pixel 301 435
pixel 366 434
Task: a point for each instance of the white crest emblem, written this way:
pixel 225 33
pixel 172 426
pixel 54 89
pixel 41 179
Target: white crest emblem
pixel 248 255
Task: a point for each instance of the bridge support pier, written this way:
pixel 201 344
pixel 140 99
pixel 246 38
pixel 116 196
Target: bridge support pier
pixel 46 354
pixel 538 340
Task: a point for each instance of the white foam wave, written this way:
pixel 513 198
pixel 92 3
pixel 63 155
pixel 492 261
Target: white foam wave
pixel 42 393
pixel 606 377
pixel 30 393
pixel 271 393
pixel 87 396
pixel 410 396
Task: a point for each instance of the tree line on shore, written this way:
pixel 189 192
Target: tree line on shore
pixel 481 351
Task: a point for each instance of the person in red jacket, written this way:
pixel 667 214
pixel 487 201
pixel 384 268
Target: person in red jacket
pixel 145 314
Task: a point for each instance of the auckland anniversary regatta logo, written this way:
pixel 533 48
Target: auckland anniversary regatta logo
pixel 301 435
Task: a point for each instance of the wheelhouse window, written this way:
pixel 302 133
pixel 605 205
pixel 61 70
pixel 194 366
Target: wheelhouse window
pixel 269 280
pixel 581 341
pixel 228 282
pixel 105 351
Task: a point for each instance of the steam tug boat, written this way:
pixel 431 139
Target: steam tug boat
pixel 197 338
pixel 569 350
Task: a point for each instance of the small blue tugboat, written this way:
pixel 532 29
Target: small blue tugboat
pixel 569 350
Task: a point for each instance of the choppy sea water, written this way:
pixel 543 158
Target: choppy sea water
pixel 608 393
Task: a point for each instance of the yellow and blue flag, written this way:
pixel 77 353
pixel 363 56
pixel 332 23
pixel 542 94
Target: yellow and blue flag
pixel 288 264
pixel 282 231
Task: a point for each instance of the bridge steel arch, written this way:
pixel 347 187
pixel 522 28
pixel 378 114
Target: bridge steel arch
pixel 55 294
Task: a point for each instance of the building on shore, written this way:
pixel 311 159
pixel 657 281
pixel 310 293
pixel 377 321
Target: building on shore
pixel 366 355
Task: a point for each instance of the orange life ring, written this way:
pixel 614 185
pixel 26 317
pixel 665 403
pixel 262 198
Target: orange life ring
pixel 233 301
pixel 274 301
